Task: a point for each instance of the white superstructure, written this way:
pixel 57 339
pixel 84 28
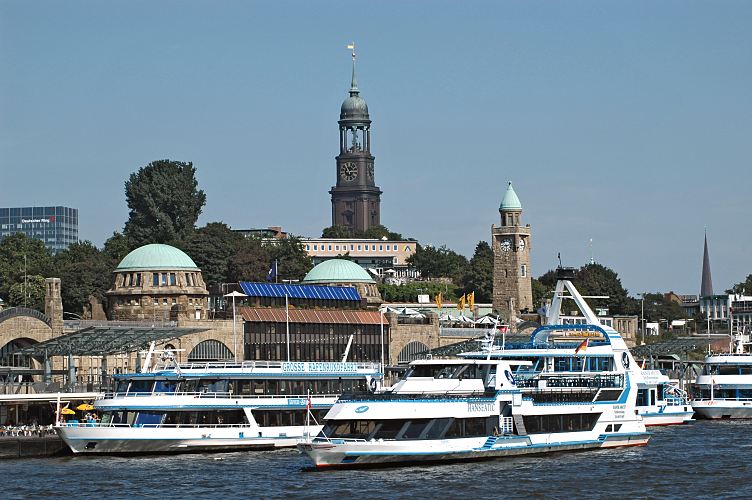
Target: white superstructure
pixel 724 388
pixel 660 401
pixel 493 403
pixel 216 406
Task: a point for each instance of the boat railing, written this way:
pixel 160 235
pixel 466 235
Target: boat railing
pixel 213 395
pixel 595 381
pixel 152 426
pixel 252 365
pixel 395 396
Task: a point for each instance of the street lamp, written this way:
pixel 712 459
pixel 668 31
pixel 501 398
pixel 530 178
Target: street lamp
pixel 234 294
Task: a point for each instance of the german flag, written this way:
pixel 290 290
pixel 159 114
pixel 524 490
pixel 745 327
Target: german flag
pixel 581 347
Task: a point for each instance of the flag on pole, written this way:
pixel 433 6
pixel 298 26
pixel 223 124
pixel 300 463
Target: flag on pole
pixel 582 347
pixel 503 329
pixel 471 300
pixel 461 303
pixel 438 301
pixel 272 274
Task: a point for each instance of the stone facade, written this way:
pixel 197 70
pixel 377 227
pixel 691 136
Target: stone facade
pixel 166 294
pixel 512 283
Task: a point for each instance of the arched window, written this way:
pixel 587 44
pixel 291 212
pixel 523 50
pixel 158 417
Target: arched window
pixel 210 350
pixel 412 351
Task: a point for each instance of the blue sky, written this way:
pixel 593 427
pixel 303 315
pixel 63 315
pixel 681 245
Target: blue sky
pixel 625 122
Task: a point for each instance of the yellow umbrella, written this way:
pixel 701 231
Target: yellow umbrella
pixel 67 411
pixel 85 407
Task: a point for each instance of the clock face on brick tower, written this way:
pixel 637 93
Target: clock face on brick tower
pixel 506 245
pixel 348 171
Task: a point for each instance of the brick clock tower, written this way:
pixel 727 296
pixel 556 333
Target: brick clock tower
pixel 512 285
pixel 356 200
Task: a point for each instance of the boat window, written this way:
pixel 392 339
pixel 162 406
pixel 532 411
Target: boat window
pixel 149 418
pixel 388 429
pixel 122 385
pixel 141 386
pixel 165 386
pixel 570 422
pixel 415 428
pixel 437 427
pixel 728 370
pixel 642 397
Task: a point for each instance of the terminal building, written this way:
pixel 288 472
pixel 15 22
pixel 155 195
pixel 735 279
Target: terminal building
pixel 383 258
pixel 56 227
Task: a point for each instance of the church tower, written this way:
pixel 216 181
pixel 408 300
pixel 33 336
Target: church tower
pixel 356 200
pixel 512 285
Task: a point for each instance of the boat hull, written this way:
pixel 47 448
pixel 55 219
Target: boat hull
pixel 668 416
pixel 156 440
pixel 373 453
pixel 723 408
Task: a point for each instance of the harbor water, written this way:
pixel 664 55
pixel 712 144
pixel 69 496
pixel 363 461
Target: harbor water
pixel 702 460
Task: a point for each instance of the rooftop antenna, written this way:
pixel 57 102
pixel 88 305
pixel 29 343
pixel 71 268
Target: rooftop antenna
pixel 592 259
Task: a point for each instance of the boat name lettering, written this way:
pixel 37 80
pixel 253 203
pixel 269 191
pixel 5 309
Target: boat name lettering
pixel 320 366
pixel 296 402
pixel 484 406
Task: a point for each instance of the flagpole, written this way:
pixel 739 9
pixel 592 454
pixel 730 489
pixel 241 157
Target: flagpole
pixel 276 272
pixel 287 326
pixel 381 321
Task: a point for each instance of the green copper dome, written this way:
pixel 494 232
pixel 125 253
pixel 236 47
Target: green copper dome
pixel 156 256
pixel 510 200
pixel 338 271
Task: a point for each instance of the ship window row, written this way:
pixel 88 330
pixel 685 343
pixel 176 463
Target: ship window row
pixel 586 363
pixel 422 428
pixel 725 369
pixel 138 418
pixel 725 394
pixel 256 387
pixel 568 422
pixel 282 418
pixel 469 371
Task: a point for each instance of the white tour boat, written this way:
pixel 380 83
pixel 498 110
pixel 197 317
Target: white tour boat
pixel 724 388
pixel 476 407
pixel 660 401
pixel 216 406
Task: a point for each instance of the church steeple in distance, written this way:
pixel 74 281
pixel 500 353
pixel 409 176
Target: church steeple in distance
pixel 706 285
pixel 356 200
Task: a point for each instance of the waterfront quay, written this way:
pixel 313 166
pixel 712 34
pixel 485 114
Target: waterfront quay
pixel 19 446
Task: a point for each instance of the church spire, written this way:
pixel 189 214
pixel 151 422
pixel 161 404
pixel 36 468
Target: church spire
pixel 354 82
pixel 706 286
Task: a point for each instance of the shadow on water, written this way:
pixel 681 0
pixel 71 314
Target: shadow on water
pixel 702 460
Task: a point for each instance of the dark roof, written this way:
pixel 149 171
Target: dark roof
pixel 279 290
pixel 321 316
pixel 671 346
pixel 102 340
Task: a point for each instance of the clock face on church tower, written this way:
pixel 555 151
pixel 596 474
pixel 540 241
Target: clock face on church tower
pixel 348 171
pixel 506 245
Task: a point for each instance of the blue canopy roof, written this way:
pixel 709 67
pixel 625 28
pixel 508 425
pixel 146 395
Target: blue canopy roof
pixel 300 291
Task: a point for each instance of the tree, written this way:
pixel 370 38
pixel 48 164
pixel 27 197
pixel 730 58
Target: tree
pixel 743 287
pixel 164 202
pixel 293 262
pixel 338 232
pixel 32 288
pixel 479 276
pixel 116 248
pixel 377 232
pixel 541 292
pixel 409 291
pixel 212 248
pixel 84 271
pixel 19 256
pixel 439 262
pixel 596 279
pixel 250 261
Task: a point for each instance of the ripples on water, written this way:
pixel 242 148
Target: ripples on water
pixel 702 460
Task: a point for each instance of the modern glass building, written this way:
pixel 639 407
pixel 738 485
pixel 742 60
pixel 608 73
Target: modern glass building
pixel 57 227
